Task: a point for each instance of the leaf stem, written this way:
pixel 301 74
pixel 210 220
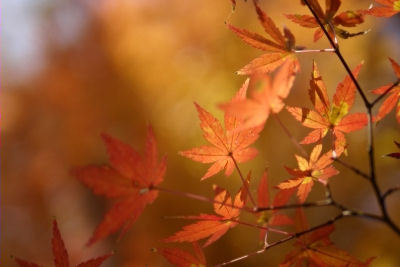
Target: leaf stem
pixel 291 137
pixel 243 181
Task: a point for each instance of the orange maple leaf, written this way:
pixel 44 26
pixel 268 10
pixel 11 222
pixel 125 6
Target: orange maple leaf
pixel 316 248
pixel 226 146
pixel 330 118
pixel 392 99
pixel 60 254
pixel 254 111
pixel 389 8
pixel 213 226
pixel 279 50
pixel 128 179
pixel 183 258
pixel 329 19
pixel 315 169
pixel 272 217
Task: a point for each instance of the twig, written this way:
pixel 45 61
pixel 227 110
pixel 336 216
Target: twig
pixel 230 220
pixel 352 168
pixel 287 132
pixel 396 83
pixel 390 191
pixel 200 198
pixel 321 203
pixel 314 50
pixel 260 227
pixel 284 240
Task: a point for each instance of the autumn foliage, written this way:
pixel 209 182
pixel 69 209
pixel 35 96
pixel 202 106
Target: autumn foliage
pixel 131 181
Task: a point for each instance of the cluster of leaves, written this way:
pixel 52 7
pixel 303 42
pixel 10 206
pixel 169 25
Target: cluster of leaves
pixel 132 180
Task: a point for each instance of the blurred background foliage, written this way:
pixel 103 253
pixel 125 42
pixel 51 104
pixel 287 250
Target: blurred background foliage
pixel 73 69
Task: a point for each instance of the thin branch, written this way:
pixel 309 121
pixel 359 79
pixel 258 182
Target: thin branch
pixel 230 220
pixel 352 168
pixel 200 198
pixel 390 191
pixel 299 51
pixel 260 227
pixel 243 181
pixel 321 203
pixel 284 240
pixel 291 137
pixel 396 83
pixel 371 156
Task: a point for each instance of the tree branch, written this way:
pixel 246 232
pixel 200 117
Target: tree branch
pixel 284 240
pixel 352 168
pixel 339 54
pixel 396 83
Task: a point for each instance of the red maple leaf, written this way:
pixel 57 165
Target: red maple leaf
pixel 315 169
pixel 61 255
pixel 271 217
pixel 316 248
pixel 213 226
pixel 254 111
pixel 330 118
pixel 279 50
pixel 128 179
pixel 389 8
pixel 329 19
pixel 393 97
pixel 227 146
pixel 183 258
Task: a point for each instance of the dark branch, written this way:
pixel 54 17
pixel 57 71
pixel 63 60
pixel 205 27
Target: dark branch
pixel 352 168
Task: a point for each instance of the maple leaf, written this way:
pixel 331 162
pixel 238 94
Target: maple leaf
pixel 395 155
pixel 128 179
pixel 315 169
pixel 272 217
pixel 61 255
pixel 226 146
pixel 254 111
pixel 183 258
pixel 389 8
pixel 213 226
pixel 316 248
pixel 279 50
pixel 393 96
pixel 330 19
pixel 327 117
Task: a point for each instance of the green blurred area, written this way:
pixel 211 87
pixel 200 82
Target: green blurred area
pixel 140 62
